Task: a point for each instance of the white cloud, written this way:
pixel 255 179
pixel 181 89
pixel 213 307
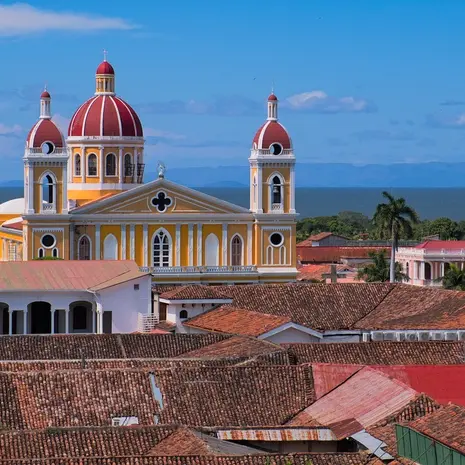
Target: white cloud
pixel 160 134
pixel 445 121
pixel 62 122
pixel 15 129
pixel 319 101
pixel 21 18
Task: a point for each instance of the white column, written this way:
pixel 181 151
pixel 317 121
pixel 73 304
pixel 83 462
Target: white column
pixel 191 245
pixel 120 166
pixel 102 164
pixel 83 164
pixel 64 188
pixel 259 190
pixel 145 238
pixel 422 270
pixel 93 319
pixel 71 241
pixel 136 161
pixel 25 328
pixel 292 191
pixel 224 244
pixel 99 311
pixel 199 244
pixel 123 242
pixel 67 320
pixel 131 240
pixel 52 321
pixel 249 244
pixel 30 190
pixel 178 245
pixel 10 321
pixel 97 242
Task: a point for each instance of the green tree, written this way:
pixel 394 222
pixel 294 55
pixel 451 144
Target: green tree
pixel 379 270
pixel 393 219
pixel 445 228
pixel 454 278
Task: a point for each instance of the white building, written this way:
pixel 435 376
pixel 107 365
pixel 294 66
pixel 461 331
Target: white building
pixel 59 296
pixel 426 263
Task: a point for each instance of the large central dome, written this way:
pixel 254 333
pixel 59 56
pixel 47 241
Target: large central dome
pixel 105 114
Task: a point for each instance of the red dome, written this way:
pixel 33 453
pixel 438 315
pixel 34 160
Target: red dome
pixel 272 97
pixel 270 133
pixel 45 130
pixel 45 94
pixel 105 115
pixel 105 68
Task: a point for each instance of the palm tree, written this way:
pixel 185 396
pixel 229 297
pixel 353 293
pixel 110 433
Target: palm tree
pixel 454 278
pixel 393 219
pixel 378 271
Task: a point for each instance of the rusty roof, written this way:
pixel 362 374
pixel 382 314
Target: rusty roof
pixel 277 434
pixel 52 275
pixel 195 292
pixel 334 254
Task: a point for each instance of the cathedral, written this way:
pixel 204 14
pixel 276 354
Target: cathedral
pixel 85 199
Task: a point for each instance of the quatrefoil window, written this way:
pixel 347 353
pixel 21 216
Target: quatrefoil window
pixel 161 201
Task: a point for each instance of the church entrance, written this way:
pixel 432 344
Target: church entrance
pixel 41 318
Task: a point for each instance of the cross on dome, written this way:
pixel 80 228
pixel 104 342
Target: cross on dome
pixel 105 54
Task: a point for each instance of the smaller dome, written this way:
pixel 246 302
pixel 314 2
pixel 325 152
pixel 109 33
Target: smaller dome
pixel 12 206
pixel 105 68
pixel 272 132
pixel 272 97
pixel 45 94
pixel 45 130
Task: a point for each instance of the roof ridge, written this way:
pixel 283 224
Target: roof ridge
pixel 113 277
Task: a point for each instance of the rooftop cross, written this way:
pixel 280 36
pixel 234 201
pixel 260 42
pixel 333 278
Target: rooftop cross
pixel 105 53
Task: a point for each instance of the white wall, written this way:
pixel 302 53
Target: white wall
pixel 173 311
pixel 290 335
pixel 126 304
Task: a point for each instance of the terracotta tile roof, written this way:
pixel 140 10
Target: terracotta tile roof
pixel 185 442
pixel 412 307
pixel 445 425
pixel 376 353
pixel 316 271
pixel 66 274
pixel 366 398
pixel 316 306
pixel 233 320
pixel 81 442
pixel 235 346
pixel 315 238
pixel 334 254
pixel 195 292
pixel 347 458
pixel 237 396
pixel 102 346
pixel 160 288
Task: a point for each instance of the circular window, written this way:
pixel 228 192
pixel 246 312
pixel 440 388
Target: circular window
pixel 47 148
pixel 276 239
pixel 48 241
pixel 276 148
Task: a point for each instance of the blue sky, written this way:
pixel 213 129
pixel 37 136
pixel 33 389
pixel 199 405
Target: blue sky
pixel 359 81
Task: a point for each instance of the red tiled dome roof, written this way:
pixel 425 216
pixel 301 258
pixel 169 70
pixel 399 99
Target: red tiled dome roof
pixel 45 94
pixel 105 68
pixel 272 97
pixel 272 132
pixel 105 115
pixel 45 130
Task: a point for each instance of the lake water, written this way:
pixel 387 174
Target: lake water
pixel 429 203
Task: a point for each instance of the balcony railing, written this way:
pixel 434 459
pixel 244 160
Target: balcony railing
pixel 40 153
pixel 147 322
pixel 432 252
pixel 277 208
pixel 252 269
pixel 48 208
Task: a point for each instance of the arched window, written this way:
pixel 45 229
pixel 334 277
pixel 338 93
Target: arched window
pixel 276 193
pixel 84 248
pixel 212 245
pixel 110 248
pixel 48 183
pixel 77 165
pixel 92 165
pixel 110 165
pixel 55 253
pixel 128 165
pixel 183 315
pixel 41 253
pixel 161 249
pixel 236 251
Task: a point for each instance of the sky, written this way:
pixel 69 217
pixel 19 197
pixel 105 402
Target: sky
pixel 359 81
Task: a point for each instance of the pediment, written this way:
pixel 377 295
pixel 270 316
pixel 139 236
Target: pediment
pixel 160 197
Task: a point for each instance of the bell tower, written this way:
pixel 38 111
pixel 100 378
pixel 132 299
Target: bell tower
pixel 272 166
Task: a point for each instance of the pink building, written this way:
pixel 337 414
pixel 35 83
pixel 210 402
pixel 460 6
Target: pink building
pixel 427 262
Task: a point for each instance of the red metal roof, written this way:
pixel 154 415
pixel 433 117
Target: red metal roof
pixel 17 225
pixel 65 274
pixel 438 245
pixel 105 115
pixel 45 130
pixel 271 132
pixel 105 68
pixel 272 97
pixel 328 254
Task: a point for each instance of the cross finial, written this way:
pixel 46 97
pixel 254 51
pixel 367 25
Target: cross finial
pixel 105 53
pixel 272 86
pixel 45 86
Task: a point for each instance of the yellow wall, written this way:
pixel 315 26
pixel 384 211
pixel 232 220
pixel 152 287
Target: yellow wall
pixel 106 230
pixel 217 230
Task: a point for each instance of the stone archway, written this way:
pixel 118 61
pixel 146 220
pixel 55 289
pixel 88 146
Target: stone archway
pixel 81 317
pixel 40 318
